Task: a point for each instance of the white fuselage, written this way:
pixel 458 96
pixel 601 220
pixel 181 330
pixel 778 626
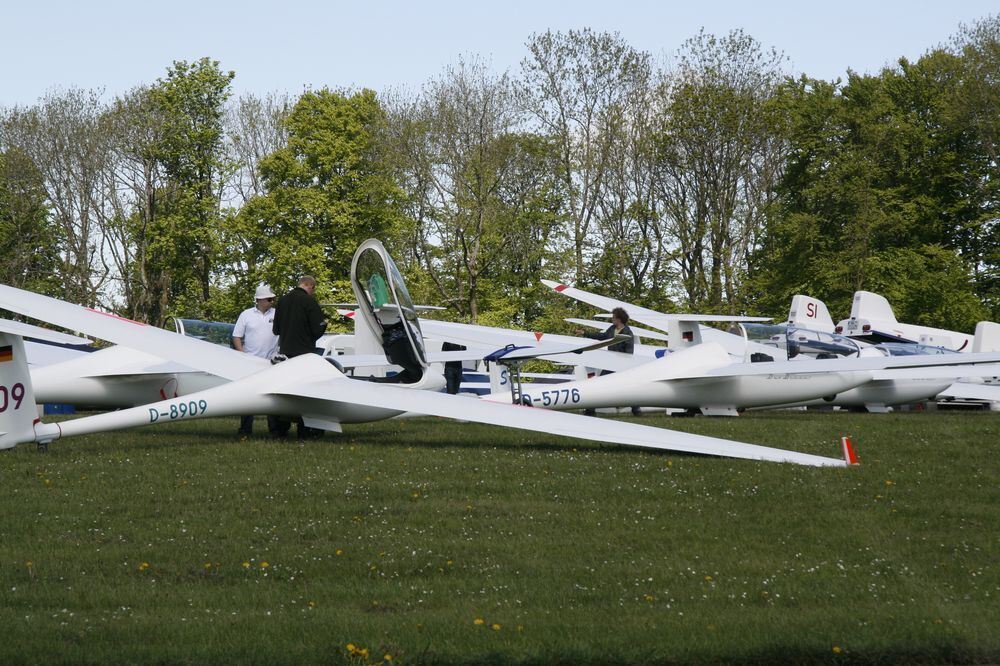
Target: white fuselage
pixel 883 392
pixel 674 382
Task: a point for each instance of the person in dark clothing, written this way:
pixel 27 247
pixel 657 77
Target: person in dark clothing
pixel 453 369
pixel 299 321
pixel 619 326
pixel 299 324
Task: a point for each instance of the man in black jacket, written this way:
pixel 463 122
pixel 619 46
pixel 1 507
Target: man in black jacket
pixel 619 326
pixel 298 323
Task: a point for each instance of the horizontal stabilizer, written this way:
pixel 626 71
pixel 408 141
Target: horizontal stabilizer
pixel 602 325
pixel 969 391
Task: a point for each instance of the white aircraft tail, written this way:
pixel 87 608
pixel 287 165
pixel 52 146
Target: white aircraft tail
pixel 18 412
pixel 811 313
pixel 870 306
pixel 987 337
pixel 499 378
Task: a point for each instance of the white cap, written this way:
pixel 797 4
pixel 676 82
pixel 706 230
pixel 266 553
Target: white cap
pixel 263 291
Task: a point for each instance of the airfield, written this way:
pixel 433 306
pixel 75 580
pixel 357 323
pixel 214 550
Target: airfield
pixel 428 541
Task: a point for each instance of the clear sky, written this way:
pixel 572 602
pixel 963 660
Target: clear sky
pixel 286 45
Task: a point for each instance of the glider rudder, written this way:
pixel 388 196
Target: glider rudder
pixel 18 411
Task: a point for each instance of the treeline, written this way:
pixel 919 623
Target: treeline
pixel 715 183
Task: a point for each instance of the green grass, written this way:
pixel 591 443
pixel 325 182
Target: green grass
pixel 183 544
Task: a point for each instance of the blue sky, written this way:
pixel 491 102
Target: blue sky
pixel 286 45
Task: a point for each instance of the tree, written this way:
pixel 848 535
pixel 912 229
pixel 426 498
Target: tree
pixel 61 136
pixel 191 100
pixel 135 203
pixel 880 164
pixel 978 46
pixel 327 191
pixel 720 152
pixel 575 85
pixel 29 240
pixel 461 145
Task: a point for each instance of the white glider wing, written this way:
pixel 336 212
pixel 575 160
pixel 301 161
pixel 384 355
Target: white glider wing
pixel 491 338
pixel 206 356
pixel 39 333
pixel 545 421
pixel 649 317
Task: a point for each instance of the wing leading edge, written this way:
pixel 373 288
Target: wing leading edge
pixel 545 421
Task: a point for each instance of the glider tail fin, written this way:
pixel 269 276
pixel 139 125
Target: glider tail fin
pixel 18 412
pixel 811 313
pixel 987 338
pixel 871 306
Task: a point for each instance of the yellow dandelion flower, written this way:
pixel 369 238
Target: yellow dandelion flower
pixel 708 579
pixel 479 622
pixel 246 565
pixel 449 563
pixel 143 566
pixel 888 482
pixel 495 626
pixel 339 552
pixel 351 648
pixel 363 652
pixel 648 597
pixel 836 649
pixel 208 565
pixel 387 657
pixel 29 564
pixel 312 604
pixel 520 627
pixel 265 564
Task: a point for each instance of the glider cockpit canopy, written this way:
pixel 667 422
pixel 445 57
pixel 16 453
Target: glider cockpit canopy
pixel 796 341
pixel 221 333
pixel 387 309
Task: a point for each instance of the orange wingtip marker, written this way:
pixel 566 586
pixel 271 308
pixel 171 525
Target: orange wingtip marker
pixel 849 455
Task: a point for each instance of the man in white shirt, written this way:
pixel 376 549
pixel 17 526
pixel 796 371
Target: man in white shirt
pixel 253 335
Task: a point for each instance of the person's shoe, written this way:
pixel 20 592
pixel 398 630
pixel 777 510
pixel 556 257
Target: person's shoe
pixel 589 412
pixel 636 411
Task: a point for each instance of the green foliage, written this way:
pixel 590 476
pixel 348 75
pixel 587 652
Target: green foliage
pixel 718 154
pixel 190 101
pixel 29 240
pixel 884 179
pixel 928 285
pixel 327 191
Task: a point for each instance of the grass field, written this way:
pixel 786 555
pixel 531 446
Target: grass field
pixel 425 541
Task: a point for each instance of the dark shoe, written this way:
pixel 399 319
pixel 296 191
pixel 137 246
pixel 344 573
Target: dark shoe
pixel 636 411
pixel 589 412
